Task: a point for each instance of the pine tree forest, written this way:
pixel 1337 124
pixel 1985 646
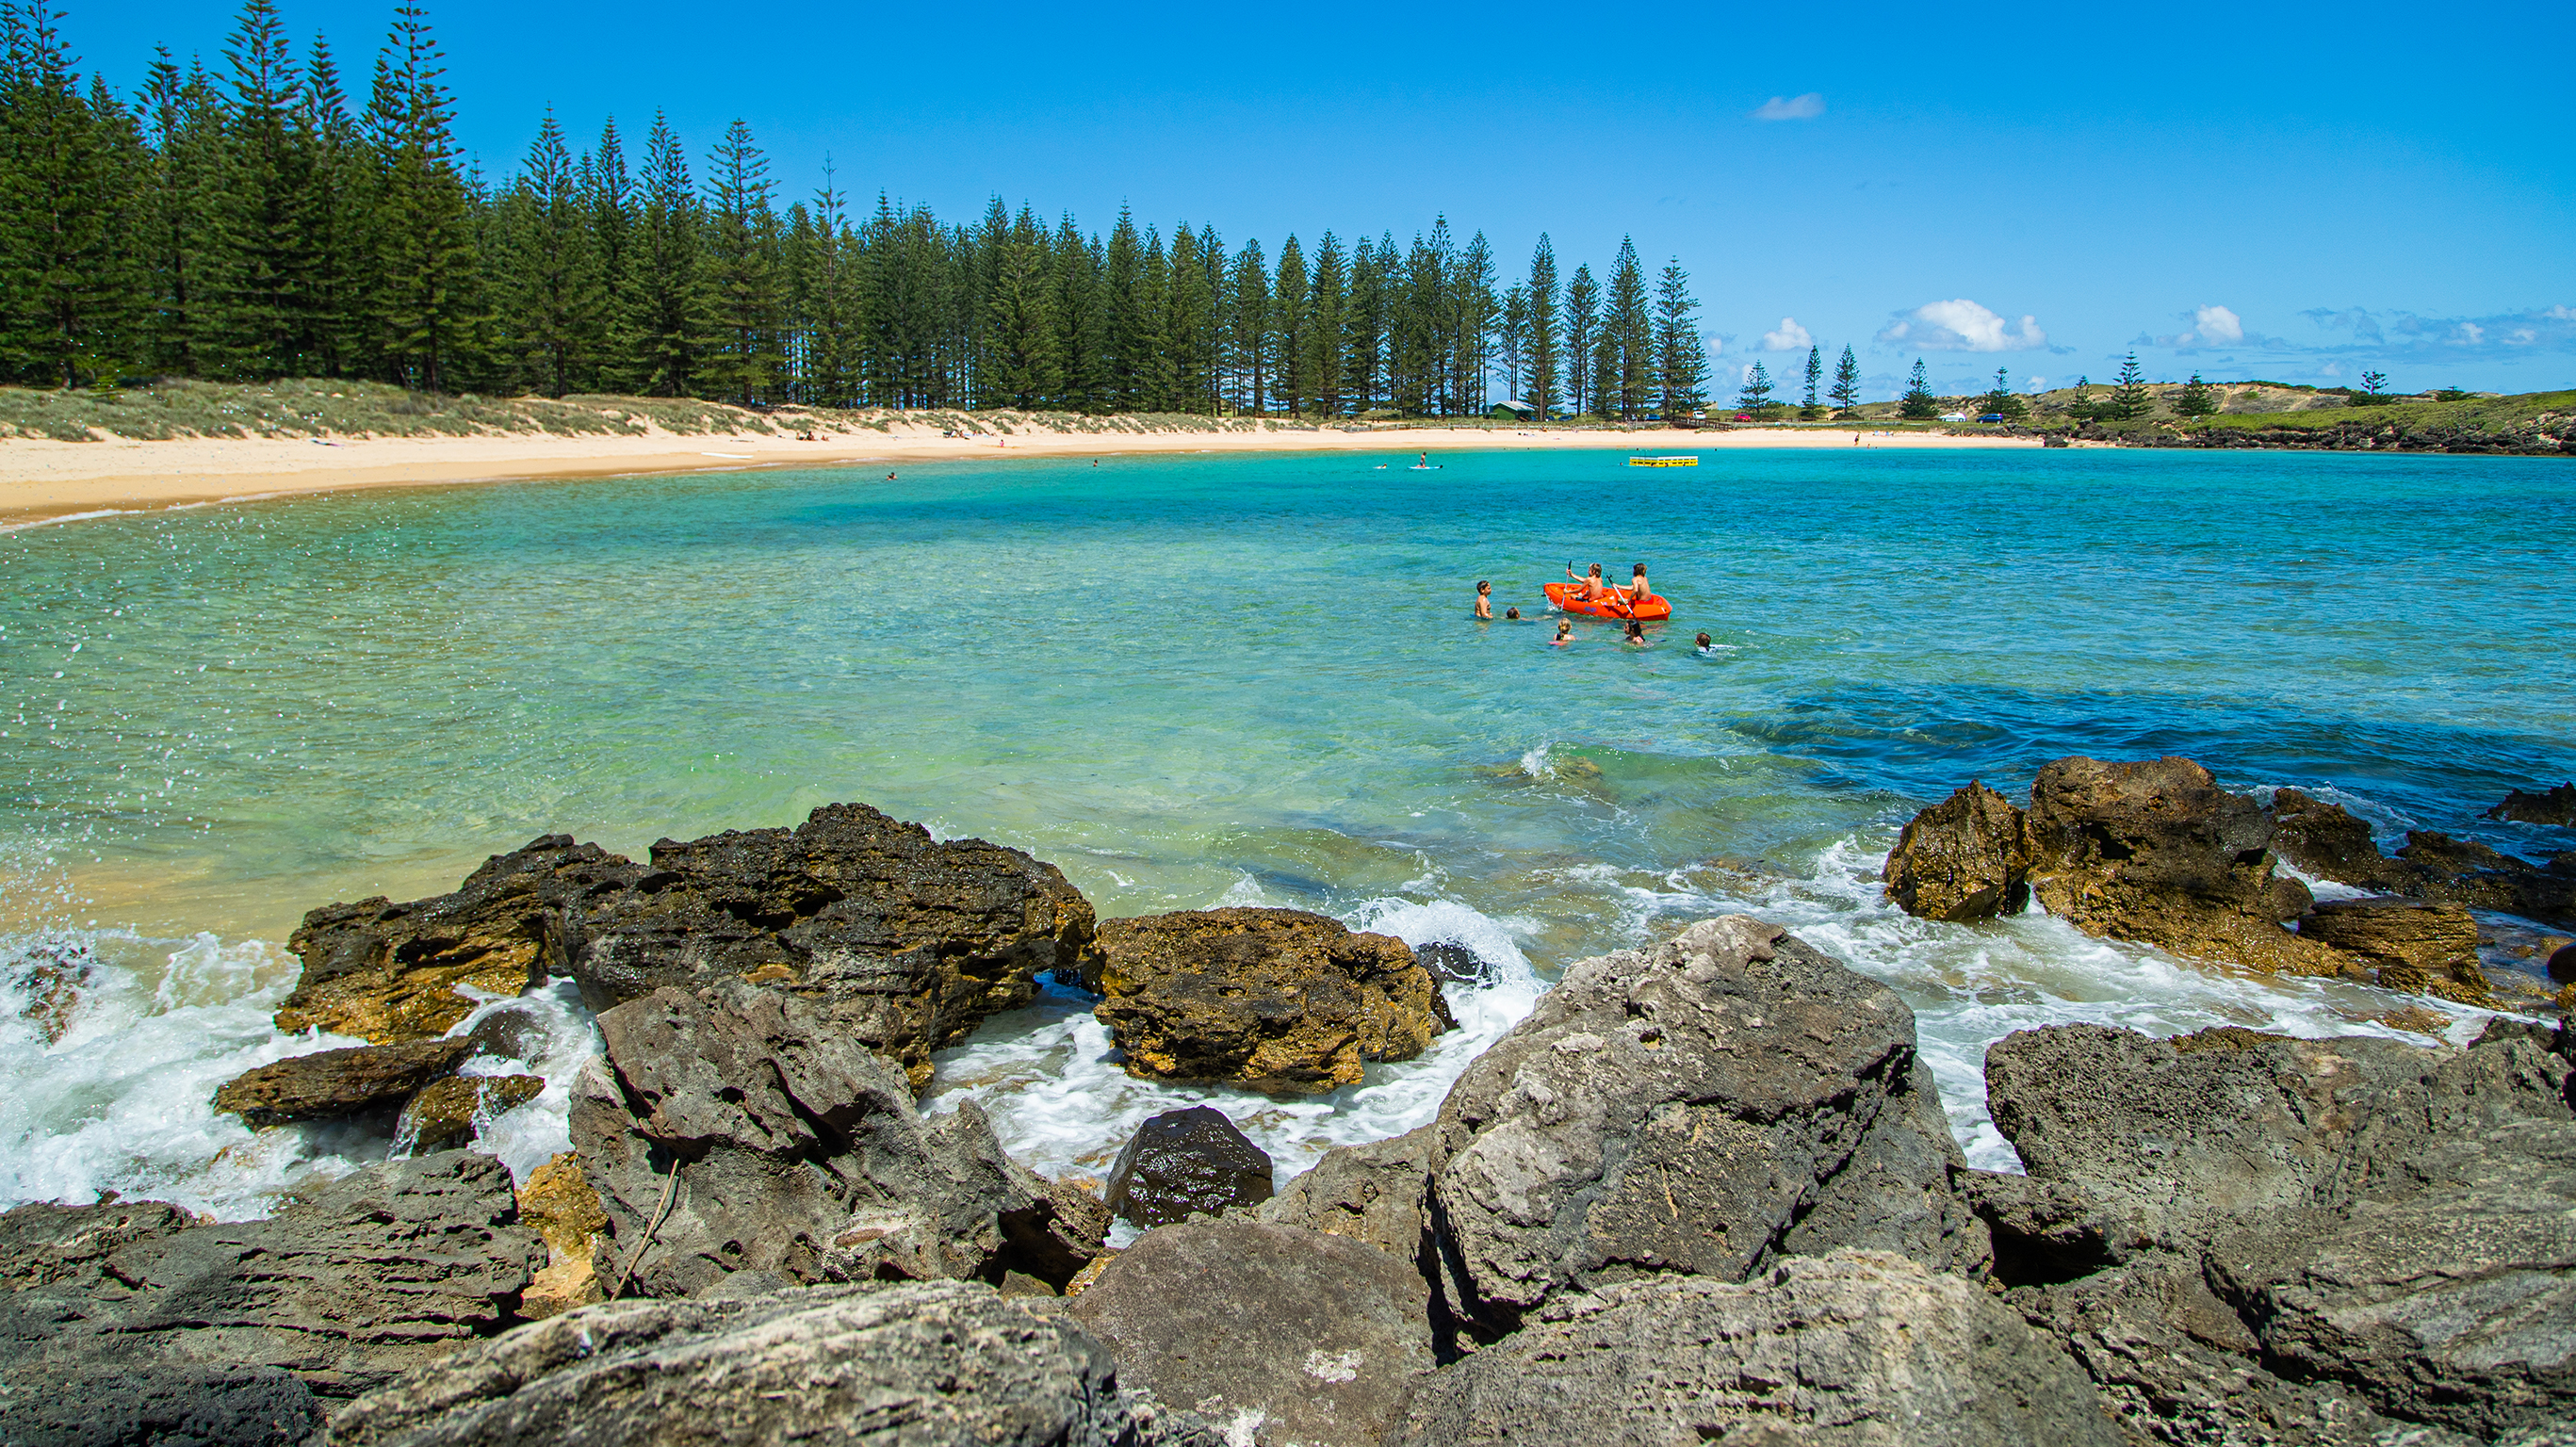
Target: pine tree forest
pixel 257 218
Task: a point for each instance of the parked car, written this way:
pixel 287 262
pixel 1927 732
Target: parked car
pixel 1990 417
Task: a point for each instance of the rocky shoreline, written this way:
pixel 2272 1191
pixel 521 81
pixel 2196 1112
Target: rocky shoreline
pixel 1706 1191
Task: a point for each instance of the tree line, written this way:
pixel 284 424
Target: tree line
pixel 258 220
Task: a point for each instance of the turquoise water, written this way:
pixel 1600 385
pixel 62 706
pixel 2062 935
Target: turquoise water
pixel 1193 679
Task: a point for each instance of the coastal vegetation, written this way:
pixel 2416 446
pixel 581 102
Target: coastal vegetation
pixel 257 220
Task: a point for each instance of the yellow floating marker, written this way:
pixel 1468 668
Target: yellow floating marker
pixel 1663 462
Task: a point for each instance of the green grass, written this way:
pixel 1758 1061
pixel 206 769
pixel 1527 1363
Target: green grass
pixel 2483 414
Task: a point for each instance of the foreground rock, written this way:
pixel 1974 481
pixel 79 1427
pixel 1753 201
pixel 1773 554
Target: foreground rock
pixel 1378 1193
pixel 1703 1107
pixel 1965 858
pixel 383 1270
pixel 2549 806
pixel 1186 1162
pixel 744 1131
pixel 2234 1230
pixel 908 942
pixel 924 1363
pixel 1855 1347
pixel 1267 999
pixel 2420 948
pixel 163 1404
pixel 332 1083
pixel 1275 1334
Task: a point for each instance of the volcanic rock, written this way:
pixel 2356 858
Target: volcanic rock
pixel 1374 1193
pixel 1184 1162
pixel 513 1032
pixel 160 1404
pixel 1281 1334
pixel 2156 852
pixel 1447 960
pixel 331 1083
pixel 2416 947
pixel 556 1201
pixel 445 1114
pixel 744 1132
pixel 2247 1237
pixel 909 942
pixel 2550 806
pixel 1691 1108
pixel 830 1366
pixel 1857 1347
pixel 380 1271
pixel 2325 840
pixel 1964 858
pixel 2562 965
pixel 1268 999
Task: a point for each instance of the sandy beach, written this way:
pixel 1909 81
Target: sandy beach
pixel 47 481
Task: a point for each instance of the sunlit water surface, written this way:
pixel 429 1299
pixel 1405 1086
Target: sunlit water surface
pixel 1201 680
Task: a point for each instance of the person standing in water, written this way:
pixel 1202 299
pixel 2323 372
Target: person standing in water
pixel 1636 635
pixel 1564 634
pixel 1484 601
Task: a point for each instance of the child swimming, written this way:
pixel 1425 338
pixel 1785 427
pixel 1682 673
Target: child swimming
pixel 1511 615
pixel 1564 635
pixel 1636 635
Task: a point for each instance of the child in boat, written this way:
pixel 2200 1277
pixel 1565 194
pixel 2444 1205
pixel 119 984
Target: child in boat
pixel 1637 590
pixel 1636 634
pixel 1587 589
pixel 1484 600
pixel 1564 635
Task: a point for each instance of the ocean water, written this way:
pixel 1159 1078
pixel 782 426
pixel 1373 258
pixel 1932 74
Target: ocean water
pixel 1197 680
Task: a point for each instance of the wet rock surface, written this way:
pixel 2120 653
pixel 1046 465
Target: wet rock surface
pixel 1965 858
pixel 2247 1237
pixel 1689 1109
pixel 745 1131
pixel 2413 945
pixel 1184 1162
pixel 332 1083
pixel 2326 840
pixel 907 941
pixel 1853 1347
pixel 445 1114
pixel 2548 806
pixel 1267 999
pixel 383 1270
pixel 1280 1335
pixel 933 1362
pixel 557 1202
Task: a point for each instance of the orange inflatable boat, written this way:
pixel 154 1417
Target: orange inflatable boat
pixel 1568 596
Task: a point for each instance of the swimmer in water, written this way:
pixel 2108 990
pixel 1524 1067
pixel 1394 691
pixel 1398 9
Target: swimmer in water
pixel 1636 634
pixel 1484 601
pixel 1511 615
pixel 1564 635
pixel 1703 645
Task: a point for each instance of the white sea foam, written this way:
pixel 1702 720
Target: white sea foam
pixel 525 1136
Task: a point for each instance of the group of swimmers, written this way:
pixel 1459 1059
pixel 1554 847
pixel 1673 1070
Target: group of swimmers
pixel 1588 588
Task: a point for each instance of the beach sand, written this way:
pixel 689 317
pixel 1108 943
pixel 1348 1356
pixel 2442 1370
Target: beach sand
pixel 48 481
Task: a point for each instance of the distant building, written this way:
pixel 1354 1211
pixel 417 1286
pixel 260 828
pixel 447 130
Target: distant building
pixel 1513 409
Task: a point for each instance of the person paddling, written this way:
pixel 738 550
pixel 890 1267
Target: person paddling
pixel 1637 590
pixel 1590 588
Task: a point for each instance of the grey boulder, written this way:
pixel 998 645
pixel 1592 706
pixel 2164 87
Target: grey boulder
pixel 1859 1347
pixel 380 1271
pixel 1275 1335
pixel 737 1130
pixel 928 1362
pixel 157 1404
pixel 1374 1193
pixel 1704 1107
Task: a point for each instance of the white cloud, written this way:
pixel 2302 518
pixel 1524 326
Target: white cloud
pixel 2211 326
pixel 1792 108
pixel 2522 337
pixel 2471 334
pixel 1791 337
pixel 1962 326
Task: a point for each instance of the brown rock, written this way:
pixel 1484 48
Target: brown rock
pixel 1964 858
pixel 2420 948
pixel 446 1114
pixel 557 1202
pixel 2550 806
pixel 1377 1193
pixel 2155 851
pixel 907 941
pixel 2326 840
pixel 333 1083
pixel 1268 999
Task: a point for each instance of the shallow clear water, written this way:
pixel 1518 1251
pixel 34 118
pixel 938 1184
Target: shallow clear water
pixel 1188 680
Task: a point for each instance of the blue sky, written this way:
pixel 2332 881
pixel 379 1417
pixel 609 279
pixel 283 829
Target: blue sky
pixel 2290 193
